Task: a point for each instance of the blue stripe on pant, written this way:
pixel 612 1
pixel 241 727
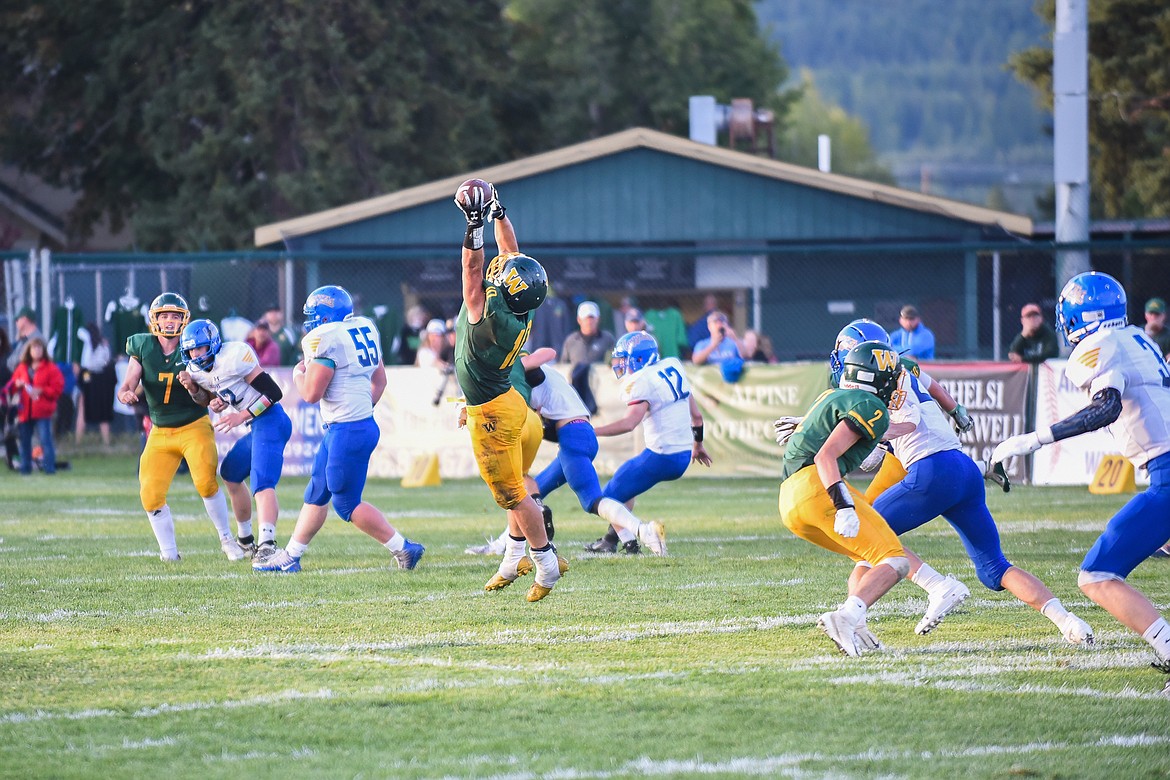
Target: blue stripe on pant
pixel 339 469
pixel 577 447
pixel 644 471
pixel 951 485
pixel 260 453
pixel 1138 528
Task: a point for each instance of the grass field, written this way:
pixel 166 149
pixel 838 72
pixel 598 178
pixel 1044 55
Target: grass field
pixel 706 663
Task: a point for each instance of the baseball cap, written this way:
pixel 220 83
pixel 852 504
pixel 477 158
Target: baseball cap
pixel 436 326
pixel 909 312
pixel 1156 306
pixel 27 313
pixel 588 309
pixel 1030 308
pixel 634 315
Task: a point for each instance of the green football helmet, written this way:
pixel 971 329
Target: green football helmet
pixel 874 367
pixel 169 301
pixel 522 281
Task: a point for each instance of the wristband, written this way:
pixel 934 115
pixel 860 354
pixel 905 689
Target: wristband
pixel 697 433
pixel 840 495
pixel 474 238
pixel 259 406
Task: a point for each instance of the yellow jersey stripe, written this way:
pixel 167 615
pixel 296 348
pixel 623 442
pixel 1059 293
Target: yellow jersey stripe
pixel 864 424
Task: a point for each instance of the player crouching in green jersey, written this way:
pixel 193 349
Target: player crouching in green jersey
pixel 837 433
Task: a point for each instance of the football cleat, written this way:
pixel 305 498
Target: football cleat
pixel 493 546
pixel 232 549
pixel 941 603
pixel 280 563
pixel 499 581
pixel 631 547
pixel 867 641
pixel 842 631
pixel 606 544
pixel 410 554
pixel 538 591
pixel 653 535
pixel 1161 552
pixel 263 552
pixel 170 558
pixel 1162 665
pixel 1076 631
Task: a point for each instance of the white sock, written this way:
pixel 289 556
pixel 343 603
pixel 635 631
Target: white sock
pixel 548 568
pixel 217 510
pixel 854 609
pixel 514 550
pixel 617 515
pixel 1158 635
pixel 244 528
pixel 296 549
pixel 395 542
pixel 927 578
pixel 625 534
pixel 163 526
pixel 1054 611
pixel 267 532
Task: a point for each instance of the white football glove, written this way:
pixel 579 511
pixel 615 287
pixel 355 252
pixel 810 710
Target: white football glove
pixel 785 427
pixel 847 523
pixel 874 459
pixel 1023 444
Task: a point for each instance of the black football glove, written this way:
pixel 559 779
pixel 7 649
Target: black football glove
pixel 994 472
pixel 473 205
pixel 496 209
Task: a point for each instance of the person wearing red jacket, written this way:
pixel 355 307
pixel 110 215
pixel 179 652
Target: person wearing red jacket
pixel 36 385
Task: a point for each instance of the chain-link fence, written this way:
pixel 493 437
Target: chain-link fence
pixel 798 297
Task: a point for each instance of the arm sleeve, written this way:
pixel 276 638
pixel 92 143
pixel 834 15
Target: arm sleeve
pixel 265 384
pixel 1103 410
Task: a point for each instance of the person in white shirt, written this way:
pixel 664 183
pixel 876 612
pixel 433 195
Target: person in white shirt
pixel 1127 381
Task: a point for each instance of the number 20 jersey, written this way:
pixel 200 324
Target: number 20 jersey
pixel 350 347
pixel 228 375
pixel 664 386
pixel 1126 359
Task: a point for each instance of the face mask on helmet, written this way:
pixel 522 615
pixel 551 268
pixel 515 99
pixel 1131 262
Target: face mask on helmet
pixel 522 281
pixel 1090 302
pixel 200 333
pixel 873 367
pixel 633 352
pixel 327 304
pixel 169 327
pixel 849 337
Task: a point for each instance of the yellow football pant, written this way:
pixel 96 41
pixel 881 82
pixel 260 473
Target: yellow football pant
pixel 890 474
pixel 533 435
pixel 497 438
pixel 807 511
pixel 165 449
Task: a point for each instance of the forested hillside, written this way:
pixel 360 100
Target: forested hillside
pixel 930 80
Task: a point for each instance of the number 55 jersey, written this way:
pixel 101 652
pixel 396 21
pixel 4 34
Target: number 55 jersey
pixel 1127 360
pixel 350 348
pixel 664 386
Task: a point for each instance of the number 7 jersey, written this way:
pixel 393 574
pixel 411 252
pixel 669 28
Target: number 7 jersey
pixel 664 386
pixel 350 348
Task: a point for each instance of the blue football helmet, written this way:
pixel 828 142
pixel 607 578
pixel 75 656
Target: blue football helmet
pixel 200 333
pixel 327 304
pixel 850 336
pixel 1089 302
pixel 633 352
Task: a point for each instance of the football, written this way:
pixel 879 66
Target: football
pixel 473 194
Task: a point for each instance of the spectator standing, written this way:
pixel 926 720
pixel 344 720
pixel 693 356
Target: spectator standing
pixel 261 341
pixel 411 334
pixel 1036 341
pixel 913 339
pixel 7 411
pixel 26 331
pixel 722 345
pixel 634 320
pixel 434 349
pixel 283 335
pixel 38 384
pixel 1156 325
pixel 699 329
pixel 583 348
pixel 95 380
pixel 757 347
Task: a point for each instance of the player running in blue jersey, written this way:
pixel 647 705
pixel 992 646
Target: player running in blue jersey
pixel 342 368
pixel 1128 382
pixel 658 396
pixel 242 393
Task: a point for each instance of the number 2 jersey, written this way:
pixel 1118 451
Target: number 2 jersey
pixel 228 375
pixel 664 386
pixel 863 412
pixel 1127 360
pixel 350 348
pixel 170 404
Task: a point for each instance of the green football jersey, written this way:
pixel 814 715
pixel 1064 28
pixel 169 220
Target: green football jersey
pixel 169 402
pixel 486 351
pixel 866 415
pixel 519 380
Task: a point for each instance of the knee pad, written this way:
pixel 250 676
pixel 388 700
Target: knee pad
pixel 344 506
pixel 991 573
pixel 1093 577
pixel 898 563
